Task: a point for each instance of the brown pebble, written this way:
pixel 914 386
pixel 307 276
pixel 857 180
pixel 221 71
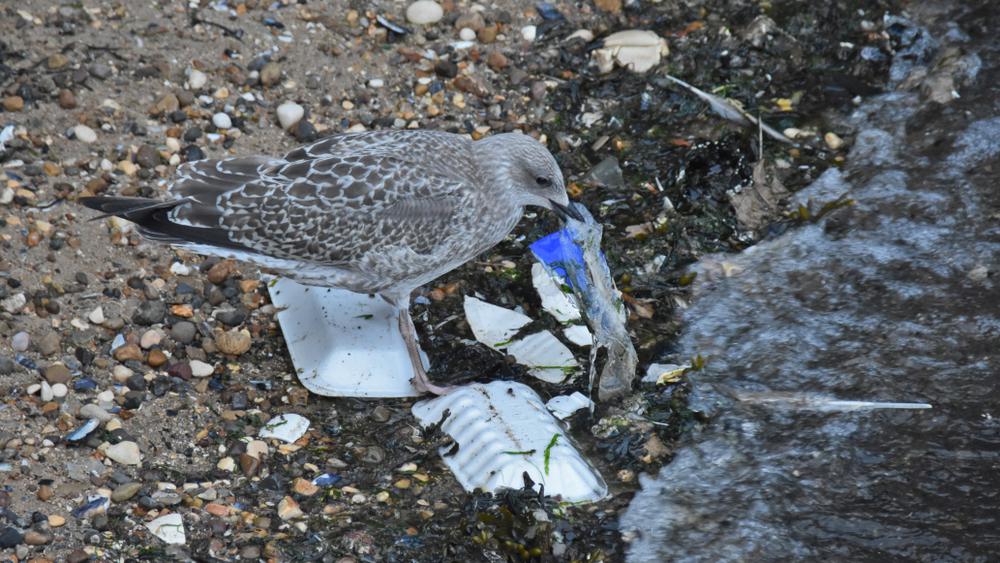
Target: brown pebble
pixel 66 99
pixel 473 21
pixel 56 373
pixel 156 358
pixel 217 509
pixel 128 352
pixel 488 34
pixel 164 105
pixel 51 169
pixel 249 465
pixel 182 310
pixel 56 61
pixel 610 6
pixel 220 272
pixel 33 537
pixel 44 492
pixel 496 60
pixel 233 342
pixel 13 103
pixel 270 74
pixel 304 487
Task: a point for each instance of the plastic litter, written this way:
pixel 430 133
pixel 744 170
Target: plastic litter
pixel 96 504
pixel 169 528
pixel 811 401
pixel 503 431
pixel 572 256
pixel 563 406
pixel 343 344
pixel 579 335
pixel 492 325
pixel 554 300
pixel 287 427
pixel 545 356
pixel 664 373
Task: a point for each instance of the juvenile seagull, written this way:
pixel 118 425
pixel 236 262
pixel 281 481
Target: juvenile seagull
pixel 374 212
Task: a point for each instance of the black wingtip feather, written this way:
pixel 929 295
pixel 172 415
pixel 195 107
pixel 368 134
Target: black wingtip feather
pixel 154 223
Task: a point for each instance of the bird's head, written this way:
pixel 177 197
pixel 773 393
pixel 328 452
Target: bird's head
pixel 533 173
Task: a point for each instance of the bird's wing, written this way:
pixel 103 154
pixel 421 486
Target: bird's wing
pixel 327 209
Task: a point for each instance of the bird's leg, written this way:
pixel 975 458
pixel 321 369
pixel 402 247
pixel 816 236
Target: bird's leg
pixel 409 332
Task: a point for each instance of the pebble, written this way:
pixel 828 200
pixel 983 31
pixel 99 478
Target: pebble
pixel 13 103
pixel 49 344
pixel 270 74
pixel 127 352
pixel 91 410
pixel 222 120
pixel 290 113
pixel 288 509
pixel 201 369
pixel 233 342
pixel 20 341
pixel 226 464
pixel 183 331
pixel 14 303
pixel 256 448
pixel 197 79
pixel 67 100
pixel 529 32
pixel 96 316
pixel 34 537
pixel 125 453
pixel 147 156
pixel 467 34
pixel 10 537
pixel 150 338
pixel 150 313
pixel 125 491
pixel 45 392
pixel 304 487
pixel 84 134
pixel 59 390
pixel 376 83
pixel 833 141
pixel 424 12
pixel 56 521
pixel 56 373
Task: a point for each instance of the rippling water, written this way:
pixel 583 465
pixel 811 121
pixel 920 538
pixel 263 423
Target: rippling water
pixel 894 299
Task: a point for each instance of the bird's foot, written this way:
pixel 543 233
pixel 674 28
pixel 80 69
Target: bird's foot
pixel 424 385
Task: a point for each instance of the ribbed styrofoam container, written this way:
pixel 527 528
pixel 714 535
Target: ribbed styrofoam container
pixel 503 430
pixel 343 344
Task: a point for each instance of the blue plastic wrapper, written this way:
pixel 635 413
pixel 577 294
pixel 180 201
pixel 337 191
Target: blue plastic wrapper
pixel 573 256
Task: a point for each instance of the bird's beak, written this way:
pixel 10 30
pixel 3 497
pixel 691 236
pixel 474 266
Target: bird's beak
pixel 566 211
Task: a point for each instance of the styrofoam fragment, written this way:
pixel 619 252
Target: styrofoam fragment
pixel 287 427
pixel 563 406
pixel 169 528
pixel 503 431
pixel 545 356
pixel 579 335
pixel 554 299
pixel 343 344
pixel 492 325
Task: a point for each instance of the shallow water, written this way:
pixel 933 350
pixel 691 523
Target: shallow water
pixel 893 299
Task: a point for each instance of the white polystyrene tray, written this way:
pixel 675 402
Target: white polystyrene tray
pixel 343 344
pixel 503 430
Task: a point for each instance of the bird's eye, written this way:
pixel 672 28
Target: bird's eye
pixel 542 181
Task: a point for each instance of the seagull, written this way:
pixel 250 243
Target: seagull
pixel 374 212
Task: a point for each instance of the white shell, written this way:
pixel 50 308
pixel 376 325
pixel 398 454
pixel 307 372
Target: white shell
pixel 635 49
pixel 492 325
pixel 343 344
pixel 503 431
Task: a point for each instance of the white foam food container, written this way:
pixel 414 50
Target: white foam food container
pixel 503 430
pixel 343 344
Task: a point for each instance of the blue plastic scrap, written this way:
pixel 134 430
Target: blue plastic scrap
pixel 572 256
